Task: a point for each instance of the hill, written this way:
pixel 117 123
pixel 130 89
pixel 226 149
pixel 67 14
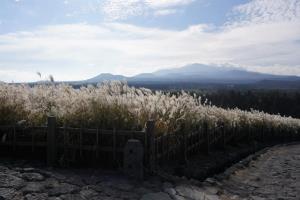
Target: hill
pixel 205 76
pixel 105 77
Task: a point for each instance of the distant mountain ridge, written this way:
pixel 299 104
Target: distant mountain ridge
pixel 197 73
pixel 106 77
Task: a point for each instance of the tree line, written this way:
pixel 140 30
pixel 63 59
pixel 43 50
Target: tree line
pixel 286 103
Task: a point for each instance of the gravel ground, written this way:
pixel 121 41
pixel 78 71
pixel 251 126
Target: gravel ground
pixel 273 174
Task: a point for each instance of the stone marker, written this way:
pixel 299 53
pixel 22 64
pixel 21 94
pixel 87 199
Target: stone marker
pixel 133 159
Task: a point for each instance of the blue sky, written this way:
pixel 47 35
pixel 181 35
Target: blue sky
pixel 78 39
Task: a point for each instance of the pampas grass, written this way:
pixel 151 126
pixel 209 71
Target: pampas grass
pixel 115 104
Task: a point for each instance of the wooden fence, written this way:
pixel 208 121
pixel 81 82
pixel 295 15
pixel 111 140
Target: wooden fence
pixel 189 141
pixel 70 145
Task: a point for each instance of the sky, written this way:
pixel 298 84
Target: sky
pixel 79 39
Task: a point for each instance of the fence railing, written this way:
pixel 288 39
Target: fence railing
pixel 188 141
pixel 66 144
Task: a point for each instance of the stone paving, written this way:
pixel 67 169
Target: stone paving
pixel 272 175
pixel 19 182
pixel 29 183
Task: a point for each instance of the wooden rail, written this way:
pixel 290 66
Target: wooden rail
pixel 73 144
pixel 66 142
pixel 180 146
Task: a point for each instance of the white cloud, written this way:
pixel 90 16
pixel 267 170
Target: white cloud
pixel 122 9
pixel 13 75
pixel 167 3
pixel 67 51
pixel 266 11
pixel 165 12
pixel 278 69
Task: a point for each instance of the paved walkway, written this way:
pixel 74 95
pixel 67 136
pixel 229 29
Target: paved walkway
pixel 27 183
pixel 272 175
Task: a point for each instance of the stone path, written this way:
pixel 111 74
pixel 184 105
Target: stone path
pixel 19 181
pixel 272 175
pixel 27 183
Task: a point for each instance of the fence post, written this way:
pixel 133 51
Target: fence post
pixel 206 134
pixel 97 144
pixel 115 144
pixel 263 133
pixel 133 159
pixel 51 141
pixel 272 135
pixel 150 125
pixel 223 136
pixel 249 136
pixel 183 159
pixel 14 139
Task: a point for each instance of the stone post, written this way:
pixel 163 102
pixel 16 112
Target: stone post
pixel 150 146
pixel 51 141
pixel 133 159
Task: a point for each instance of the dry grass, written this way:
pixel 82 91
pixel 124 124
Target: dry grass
pixel 115 104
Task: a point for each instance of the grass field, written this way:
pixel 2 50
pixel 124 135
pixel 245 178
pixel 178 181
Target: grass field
pixel 115 104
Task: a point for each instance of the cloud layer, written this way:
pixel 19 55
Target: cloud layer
pixel 122 9
pixel 265 11
pixel 259 36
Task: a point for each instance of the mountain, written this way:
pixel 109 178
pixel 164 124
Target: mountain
pixel 105 77
pixel 199 74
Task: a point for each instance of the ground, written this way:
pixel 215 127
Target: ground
pixel 273 174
